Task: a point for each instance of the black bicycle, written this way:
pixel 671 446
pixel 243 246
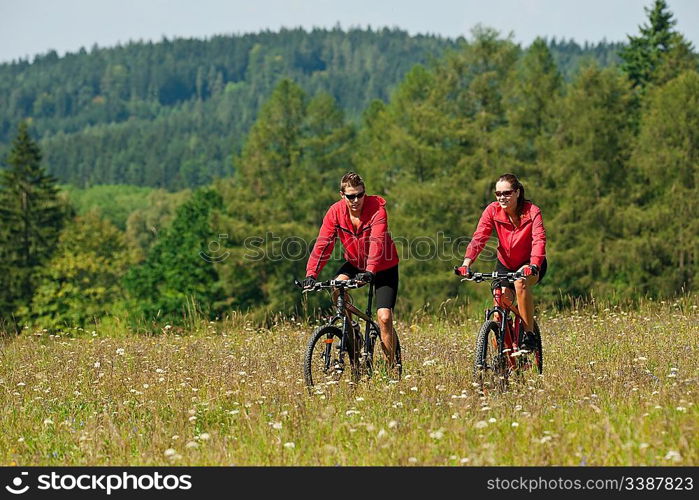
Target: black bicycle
pixel 331 346
pixel 499 351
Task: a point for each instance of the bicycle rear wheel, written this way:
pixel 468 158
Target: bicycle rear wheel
pixel 490 366
pixel 322 363
pixel 397 370
pixel 539 354
pixel 399 357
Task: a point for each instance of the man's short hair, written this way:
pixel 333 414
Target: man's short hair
pixel 351 179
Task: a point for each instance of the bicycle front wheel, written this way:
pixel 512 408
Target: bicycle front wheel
pixel 490 366
pixel 323 363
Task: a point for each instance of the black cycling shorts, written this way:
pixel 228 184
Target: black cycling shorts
pixel 385 284
pixel 500 268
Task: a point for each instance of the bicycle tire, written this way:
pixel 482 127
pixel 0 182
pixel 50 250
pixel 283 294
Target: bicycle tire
pixel 399 357
pixel 317 369
pixel 490 367
pixel 369 368
pixel 539 355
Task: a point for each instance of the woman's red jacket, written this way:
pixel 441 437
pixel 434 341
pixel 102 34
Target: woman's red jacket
pixel 517 246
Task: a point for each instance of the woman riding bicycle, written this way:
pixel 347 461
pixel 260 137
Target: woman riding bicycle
pixel 521 247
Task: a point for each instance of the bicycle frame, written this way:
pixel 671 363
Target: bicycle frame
pixel 510 329
pixel 340 315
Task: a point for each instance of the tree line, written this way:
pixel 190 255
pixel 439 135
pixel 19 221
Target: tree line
pixel 174 114
pixel 610 156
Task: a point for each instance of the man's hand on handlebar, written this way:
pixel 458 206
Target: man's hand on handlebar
pixel 365 277
pixel 309 282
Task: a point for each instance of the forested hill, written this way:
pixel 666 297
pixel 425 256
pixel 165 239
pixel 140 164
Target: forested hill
pixel 172 114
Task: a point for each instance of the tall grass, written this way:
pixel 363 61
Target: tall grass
pixel 619 388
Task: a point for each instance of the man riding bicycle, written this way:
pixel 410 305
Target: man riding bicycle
pixel 361 223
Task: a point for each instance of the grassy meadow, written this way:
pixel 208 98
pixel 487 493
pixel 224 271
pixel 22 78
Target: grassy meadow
pixel 619 388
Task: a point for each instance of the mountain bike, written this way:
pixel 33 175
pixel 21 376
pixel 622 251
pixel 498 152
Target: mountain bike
pixel 339 344
pixel 498 353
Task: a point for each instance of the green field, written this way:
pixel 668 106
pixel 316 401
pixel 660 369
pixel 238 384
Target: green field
pixel 619 388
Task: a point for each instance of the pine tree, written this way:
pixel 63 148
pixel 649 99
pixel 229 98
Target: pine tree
pixel 32 217
pixel 287 177
pixel 661 244
pixel 646 53
pixel 586 181
pixel 272 147
pixel 530 96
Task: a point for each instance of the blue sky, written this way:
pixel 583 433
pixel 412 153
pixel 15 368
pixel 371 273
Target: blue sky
pixel 29 27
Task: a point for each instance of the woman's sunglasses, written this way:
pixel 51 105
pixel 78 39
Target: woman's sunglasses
pixel 352 197
pixel 506 194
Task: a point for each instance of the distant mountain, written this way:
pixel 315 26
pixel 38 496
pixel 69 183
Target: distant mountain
pixel 172 114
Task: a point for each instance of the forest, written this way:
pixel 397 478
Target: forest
pixel 161 181
pixel 174 114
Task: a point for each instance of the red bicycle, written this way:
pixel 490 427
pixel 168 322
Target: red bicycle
pixel 498 352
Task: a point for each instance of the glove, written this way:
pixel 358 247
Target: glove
pixel 309 282
pixel 463 271
pixel 531 270
pixel 366 277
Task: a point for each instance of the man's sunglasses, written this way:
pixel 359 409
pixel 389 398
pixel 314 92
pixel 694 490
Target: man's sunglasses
pixel 506 194
pixel 351 197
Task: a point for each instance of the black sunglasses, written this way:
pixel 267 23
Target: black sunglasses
pixel 351 197
pixel 507 193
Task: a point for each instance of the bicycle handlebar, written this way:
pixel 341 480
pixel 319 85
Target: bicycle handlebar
pixel 322 285
pixel 478 277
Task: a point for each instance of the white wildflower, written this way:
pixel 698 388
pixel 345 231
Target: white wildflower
pixel 438 434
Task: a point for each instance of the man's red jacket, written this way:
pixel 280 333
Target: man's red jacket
pixel 368 248
pixel 517 246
